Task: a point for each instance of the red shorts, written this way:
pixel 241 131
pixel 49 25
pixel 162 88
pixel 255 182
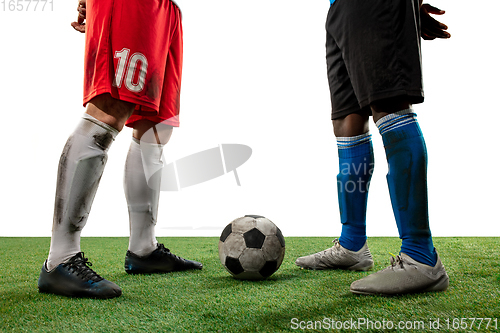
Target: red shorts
pixel 133 51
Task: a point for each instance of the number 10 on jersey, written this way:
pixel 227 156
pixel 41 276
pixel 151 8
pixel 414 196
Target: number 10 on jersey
pixel 127 68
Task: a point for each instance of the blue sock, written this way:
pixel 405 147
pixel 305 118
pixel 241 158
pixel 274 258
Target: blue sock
pixel 407 179
pixel 355 171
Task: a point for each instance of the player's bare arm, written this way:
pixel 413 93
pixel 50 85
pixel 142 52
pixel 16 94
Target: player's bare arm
pixel 79 25
pixel 430 27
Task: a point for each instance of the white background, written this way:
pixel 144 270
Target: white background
pixel 254 74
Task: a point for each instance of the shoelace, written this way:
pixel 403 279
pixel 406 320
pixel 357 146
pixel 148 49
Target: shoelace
pixel 396 260
pixel 80 265
pixel 329 251
pixel 163 249
pixel 335 242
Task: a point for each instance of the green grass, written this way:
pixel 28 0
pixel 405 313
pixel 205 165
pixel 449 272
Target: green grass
pixel 211 301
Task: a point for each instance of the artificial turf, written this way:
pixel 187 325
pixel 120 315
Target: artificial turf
pixel 211 301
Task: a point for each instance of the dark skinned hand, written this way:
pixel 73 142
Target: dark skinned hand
pixel 429 27
pixel 79 25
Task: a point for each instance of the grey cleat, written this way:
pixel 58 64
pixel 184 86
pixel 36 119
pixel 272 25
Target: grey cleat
pixel 404 276
pixel 338 257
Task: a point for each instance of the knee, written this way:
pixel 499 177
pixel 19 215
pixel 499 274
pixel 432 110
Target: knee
pixel 351 125
pixel 152 132
pixel 384 107
pixel 109 110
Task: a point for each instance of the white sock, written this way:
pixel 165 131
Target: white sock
pixel 142 200
pixel 80 169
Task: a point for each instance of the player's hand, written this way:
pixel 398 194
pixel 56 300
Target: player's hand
pixel 79 25
pixel 429 27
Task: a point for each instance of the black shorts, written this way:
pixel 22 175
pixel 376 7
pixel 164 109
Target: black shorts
pixel 373 53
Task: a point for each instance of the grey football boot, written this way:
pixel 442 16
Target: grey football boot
pixel 404 276
pixel 338 257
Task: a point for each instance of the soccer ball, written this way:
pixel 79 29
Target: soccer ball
pixel 251 247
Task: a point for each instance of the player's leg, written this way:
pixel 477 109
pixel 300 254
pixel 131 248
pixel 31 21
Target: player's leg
pixel 142 184
pixel 350 124
pixel 417 268
pixel 356 164
pixel 80 169
pixel 152 130
pixel 407 180
pixel 142 199
pixel 393 90
pixel 350 251
pixel 67 271
pixel 82 163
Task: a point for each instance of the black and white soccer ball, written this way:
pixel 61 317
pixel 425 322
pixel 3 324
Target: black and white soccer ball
pixel 251 247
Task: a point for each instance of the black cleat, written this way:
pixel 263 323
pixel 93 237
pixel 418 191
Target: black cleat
pixel 75 278
pixel 160 260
